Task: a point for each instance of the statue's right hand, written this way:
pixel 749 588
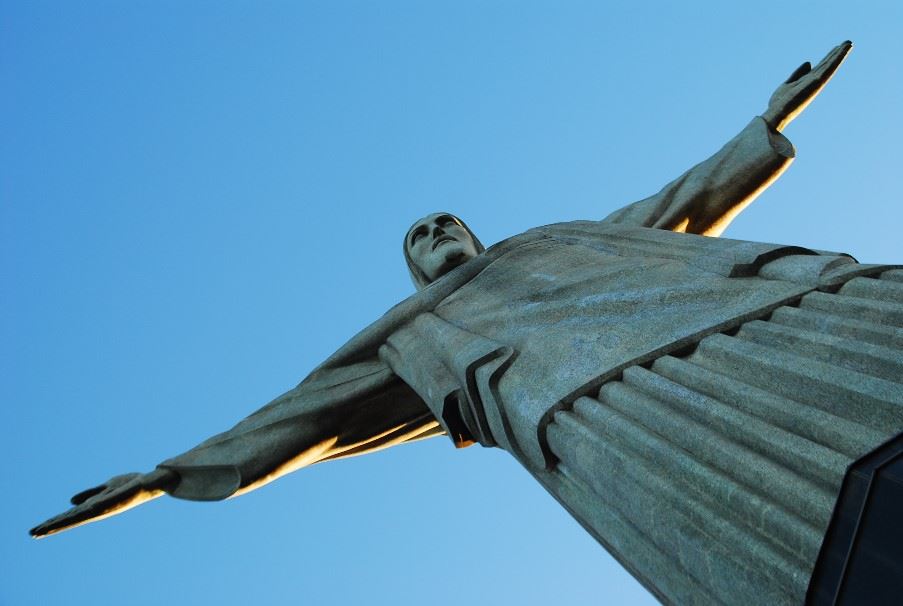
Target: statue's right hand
pixel 107 488
pixel 113 496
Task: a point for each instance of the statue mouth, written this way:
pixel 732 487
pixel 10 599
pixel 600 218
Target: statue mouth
pixel 442 239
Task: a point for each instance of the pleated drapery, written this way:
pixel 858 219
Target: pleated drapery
pixel 713 476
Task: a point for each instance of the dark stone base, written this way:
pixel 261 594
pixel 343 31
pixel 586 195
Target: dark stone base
pixel 861 559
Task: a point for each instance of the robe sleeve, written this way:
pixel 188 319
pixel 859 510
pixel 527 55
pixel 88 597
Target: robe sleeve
pixel 353 403
pixel 706 198
pixel 338 411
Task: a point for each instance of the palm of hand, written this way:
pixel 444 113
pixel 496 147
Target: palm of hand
pixel 93 503
pixel 802 86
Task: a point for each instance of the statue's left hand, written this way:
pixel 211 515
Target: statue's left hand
pixel 113 496
pixel 802 86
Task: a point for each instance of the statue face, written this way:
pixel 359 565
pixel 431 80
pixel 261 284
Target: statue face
pixel 438 243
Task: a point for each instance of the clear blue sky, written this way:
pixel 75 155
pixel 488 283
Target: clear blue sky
pixel 200 201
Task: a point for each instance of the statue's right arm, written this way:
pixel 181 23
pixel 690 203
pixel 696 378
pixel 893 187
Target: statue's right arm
pixel 352 404
pixel 337 412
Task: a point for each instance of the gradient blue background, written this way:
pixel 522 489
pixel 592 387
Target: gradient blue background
pixel 200 201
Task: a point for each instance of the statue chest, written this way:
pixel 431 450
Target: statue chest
pixel 553 318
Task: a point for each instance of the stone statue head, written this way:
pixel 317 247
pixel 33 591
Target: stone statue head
pixel 435 245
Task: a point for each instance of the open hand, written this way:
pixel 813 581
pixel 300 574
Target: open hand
pixel 802 86
pixel 114 496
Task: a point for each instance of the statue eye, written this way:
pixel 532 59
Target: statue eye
pixel 416 236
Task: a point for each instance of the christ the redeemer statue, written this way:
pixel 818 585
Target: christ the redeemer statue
pixel 695 402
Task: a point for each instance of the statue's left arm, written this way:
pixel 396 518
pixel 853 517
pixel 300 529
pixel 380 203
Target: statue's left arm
pixel 706 198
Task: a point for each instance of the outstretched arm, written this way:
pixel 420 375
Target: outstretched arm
pixel 706 198
pixel 337 412
pixel 354 403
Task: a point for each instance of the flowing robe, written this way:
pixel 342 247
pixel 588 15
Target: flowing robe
pixel 585 349
pixel 355 402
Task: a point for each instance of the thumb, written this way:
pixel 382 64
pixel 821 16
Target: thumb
pixel 84 495
pixel 799 72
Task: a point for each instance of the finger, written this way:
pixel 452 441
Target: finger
pixel 62 521
pixel 824 73
pixel 84 495
pixel 91 509
pixel 113 500
pixel 834 58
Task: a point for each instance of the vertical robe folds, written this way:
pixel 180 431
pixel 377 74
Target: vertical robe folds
pixel 693 401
